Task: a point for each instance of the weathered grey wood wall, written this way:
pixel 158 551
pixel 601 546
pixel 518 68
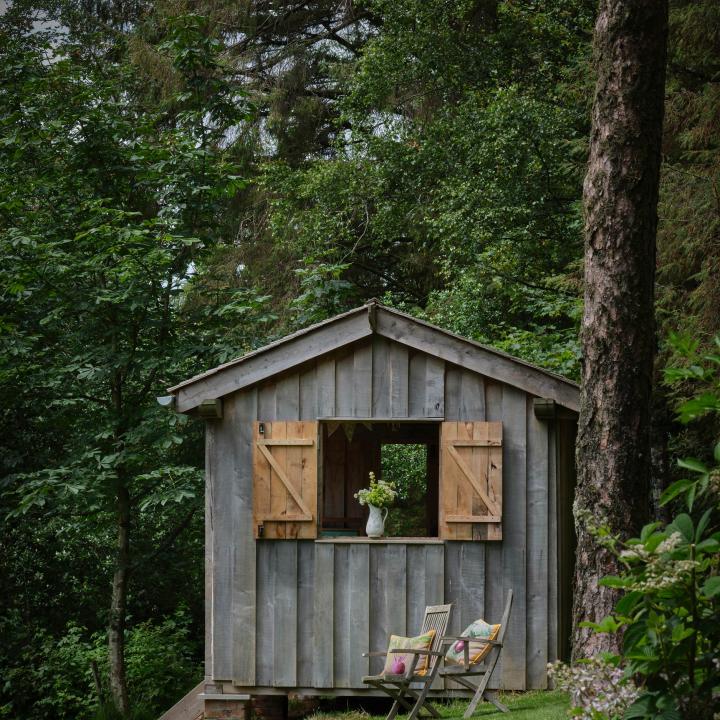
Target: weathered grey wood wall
pixel 299 614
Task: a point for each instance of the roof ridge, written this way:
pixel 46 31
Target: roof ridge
pixel 349 327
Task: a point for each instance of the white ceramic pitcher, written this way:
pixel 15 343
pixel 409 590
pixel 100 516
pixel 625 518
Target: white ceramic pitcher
pixel 376 521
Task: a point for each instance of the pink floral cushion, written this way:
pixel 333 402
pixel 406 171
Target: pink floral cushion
pixel 421 642
pixel 478 649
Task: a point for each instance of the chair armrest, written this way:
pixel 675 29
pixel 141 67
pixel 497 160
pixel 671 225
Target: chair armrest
pixel 431 653
pixel 447 640
pixel 375 653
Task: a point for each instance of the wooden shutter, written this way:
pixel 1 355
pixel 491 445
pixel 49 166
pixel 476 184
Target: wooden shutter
pixel 471 481
pixel 285 479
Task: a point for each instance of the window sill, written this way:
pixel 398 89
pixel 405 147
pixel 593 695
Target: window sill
pixel 380 541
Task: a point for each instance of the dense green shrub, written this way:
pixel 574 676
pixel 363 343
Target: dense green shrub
pixel 669 616
pixel 57 671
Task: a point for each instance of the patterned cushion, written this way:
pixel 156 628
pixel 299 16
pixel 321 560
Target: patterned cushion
pixel 421 642
pixel 478 649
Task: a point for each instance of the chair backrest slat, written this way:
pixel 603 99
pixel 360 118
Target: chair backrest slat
pixel 436 618
pixel 505 616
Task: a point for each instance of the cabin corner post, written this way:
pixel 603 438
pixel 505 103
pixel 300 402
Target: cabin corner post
pixel 209 541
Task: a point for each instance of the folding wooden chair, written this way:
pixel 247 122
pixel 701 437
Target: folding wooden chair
pixel 483 669
pixel 413 699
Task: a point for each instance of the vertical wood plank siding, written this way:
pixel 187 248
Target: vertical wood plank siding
pixel 552 578
pixel 290 614
pixel 381 378
pixel 399 359
pixel 341 618
pixel 358 630
pixel 244 565
pixel 514 544
pixel 305 611
pixel 221 477
pixel 324 633
pixel 210 480
pixel 537 545
pixel 494 550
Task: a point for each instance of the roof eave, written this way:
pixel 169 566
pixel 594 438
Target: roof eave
pixel 363 322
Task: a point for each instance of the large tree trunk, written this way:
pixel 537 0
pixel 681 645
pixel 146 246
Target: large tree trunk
pixel 118 605
pixel 620 197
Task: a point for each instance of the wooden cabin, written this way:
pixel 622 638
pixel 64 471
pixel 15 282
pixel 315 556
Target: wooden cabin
pixel 295 591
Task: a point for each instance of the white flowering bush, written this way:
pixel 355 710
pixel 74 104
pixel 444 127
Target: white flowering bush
pixel 598 688
pixel 381 494
pixel 669 612
pixel 669 616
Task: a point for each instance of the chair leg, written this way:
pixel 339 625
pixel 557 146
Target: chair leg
pixel 492 697
pixel 431 709
pixel 419 704
pixel 399 700
pixel 477 696
pixel 416 698
pixel 422 696
pixel 393 710
pixel 480 692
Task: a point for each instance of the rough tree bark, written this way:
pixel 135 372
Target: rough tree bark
pixel 620 199
pixel 118 605
pixel 121 576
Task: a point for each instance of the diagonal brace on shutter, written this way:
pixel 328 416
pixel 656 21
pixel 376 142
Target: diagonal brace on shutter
pixel 493 509
pixel 280 472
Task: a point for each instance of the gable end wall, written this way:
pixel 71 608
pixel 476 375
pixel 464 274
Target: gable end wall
pixel 299 614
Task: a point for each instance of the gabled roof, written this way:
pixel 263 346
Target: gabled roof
pixel 365 321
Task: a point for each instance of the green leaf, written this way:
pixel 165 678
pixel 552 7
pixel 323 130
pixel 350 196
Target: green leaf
pixel 648 530
pixel 702 524
pixel 692 464
pixel 613 581
pixel 670 714
pixel 711 587
pixel 654 540
pixel 684 525
pixel 608 624
pixel 680 632
pixel 641 708
pixel 635 634
pixel 698 406
pixel 708 546
pixel 626 604
pixel 677 488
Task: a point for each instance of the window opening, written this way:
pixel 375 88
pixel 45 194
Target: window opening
pixel 405 453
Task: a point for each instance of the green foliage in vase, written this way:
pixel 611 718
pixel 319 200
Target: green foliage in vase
pixel 381 493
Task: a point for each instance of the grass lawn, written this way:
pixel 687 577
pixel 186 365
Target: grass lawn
pixel 549 705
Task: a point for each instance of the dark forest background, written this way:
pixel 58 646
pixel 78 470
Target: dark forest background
pixel 182 182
